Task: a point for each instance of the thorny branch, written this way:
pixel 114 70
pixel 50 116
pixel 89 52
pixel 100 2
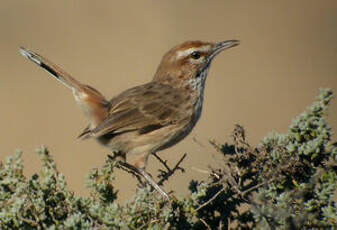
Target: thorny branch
pixel 164 175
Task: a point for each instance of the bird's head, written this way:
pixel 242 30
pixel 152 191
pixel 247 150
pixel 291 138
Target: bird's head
pixel 189 61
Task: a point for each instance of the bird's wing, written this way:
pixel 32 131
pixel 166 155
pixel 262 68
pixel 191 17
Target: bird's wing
pixel 144 108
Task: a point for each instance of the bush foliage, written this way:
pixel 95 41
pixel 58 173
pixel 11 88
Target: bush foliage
pixel 287 182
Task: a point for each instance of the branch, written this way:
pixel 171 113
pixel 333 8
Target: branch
pixel 124 167
pixel 205 223
pixel 210 200
pixel 165 175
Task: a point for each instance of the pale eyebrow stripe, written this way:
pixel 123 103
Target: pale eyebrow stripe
pixel 184 53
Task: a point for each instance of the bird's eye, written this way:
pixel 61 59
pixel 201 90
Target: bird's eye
pixel 196 55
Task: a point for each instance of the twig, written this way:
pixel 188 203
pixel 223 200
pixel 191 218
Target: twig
pixel 165 175
pixel 28 221
pixel 255 187
pixel 161 161
pixel 146 176
pixel 125 168
pixel 205 223
pixel 210 200
pixel 228 223
pixel 221 224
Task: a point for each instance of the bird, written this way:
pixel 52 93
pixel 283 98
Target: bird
pixel 150 117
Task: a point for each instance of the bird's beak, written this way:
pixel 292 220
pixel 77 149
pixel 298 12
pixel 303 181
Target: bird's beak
pixel 220 46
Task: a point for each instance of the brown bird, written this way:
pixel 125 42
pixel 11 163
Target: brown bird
pixel 150 117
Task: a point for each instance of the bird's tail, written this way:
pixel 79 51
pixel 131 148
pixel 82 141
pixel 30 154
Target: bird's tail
pixel 91 101
pixel 55 71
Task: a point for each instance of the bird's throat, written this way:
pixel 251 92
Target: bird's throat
pixel 197 83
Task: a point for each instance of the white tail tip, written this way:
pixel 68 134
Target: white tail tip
pixel 30 55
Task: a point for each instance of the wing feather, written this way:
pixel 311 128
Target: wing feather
pixel 144 108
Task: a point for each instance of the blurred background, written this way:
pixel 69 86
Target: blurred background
pixel 288 51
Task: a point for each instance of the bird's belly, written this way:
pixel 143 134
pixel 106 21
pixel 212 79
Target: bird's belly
pixel 180 135
pixel 133 143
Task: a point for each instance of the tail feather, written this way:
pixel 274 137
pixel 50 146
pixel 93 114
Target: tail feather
pixel 55 71
pixel 91 101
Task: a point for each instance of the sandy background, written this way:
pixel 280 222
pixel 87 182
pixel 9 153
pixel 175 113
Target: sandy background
pixel 288 51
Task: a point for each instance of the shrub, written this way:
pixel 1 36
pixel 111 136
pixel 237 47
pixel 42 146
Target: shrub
pixel 287 182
